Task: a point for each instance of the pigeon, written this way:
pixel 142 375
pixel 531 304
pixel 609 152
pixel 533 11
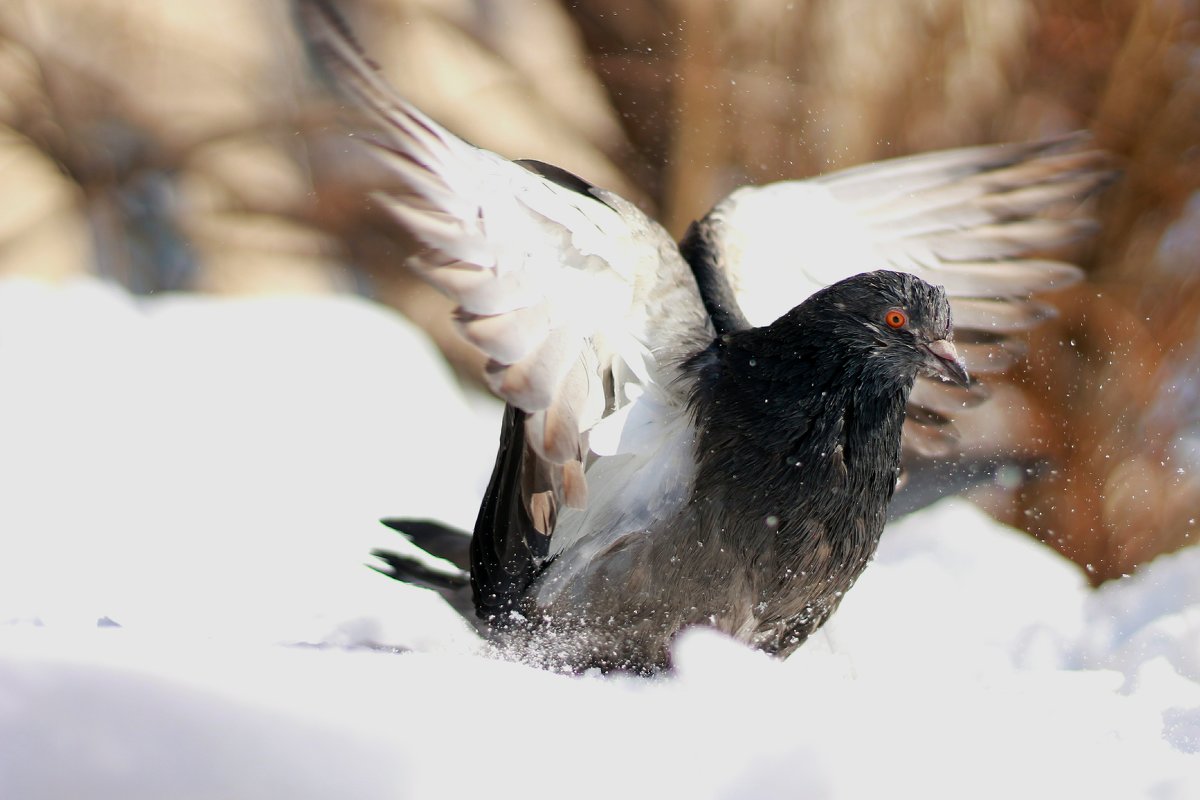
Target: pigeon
pixel 705 433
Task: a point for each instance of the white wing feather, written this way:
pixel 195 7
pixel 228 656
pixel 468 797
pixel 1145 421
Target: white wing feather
pixel 972 220
pixel 565 291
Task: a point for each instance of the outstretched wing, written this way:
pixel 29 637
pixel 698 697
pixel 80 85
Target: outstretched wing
pixel 983 221
pixel 583 306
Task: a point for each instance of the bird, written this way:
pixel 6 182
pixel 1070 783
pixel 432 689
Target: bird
pixel 705 432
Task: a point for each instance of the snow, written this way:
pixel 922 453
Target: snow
pixel 190 490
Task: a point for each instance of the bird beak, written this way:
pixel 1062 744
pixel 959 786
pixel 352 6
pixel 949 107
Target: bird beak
pixel 942 359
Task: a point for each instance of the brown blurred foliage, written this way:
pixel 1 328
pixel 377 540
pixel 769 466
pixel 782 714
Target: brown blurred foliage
pixel 186 145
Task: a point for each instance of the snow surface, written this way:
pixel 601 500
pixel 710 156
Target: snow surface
pixel 190 489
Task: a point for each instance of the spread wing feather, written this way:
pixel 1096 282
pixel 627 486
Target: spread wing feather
pixel 563 286
pixel 984 222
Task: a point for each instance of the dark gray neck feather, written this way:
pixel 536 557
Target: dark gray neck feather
pixel 790 472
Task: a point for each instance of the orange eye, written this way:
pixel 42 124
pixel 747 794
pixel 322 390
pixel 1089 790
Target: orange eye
pixel 896 318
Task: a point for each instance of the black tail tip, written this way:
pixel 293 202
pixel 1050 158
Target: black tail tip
pixel 435 538
pixel 410 569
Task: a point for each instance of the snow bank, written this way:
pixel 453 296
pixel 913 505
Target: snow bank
pixel 205 475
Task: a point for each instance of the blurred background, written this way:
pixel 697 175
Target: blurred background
pixel 186 147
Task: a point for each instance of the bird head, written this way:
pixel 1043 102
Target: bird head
pixel 895 318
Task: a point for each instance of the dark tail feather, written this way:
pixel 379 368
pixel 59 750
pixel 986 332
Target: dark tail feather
pixel 439 540
pixel 452 583
pixel 411 570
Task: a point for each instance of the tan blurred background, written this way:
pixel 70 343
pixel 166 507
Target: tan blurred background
pixel 185 146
